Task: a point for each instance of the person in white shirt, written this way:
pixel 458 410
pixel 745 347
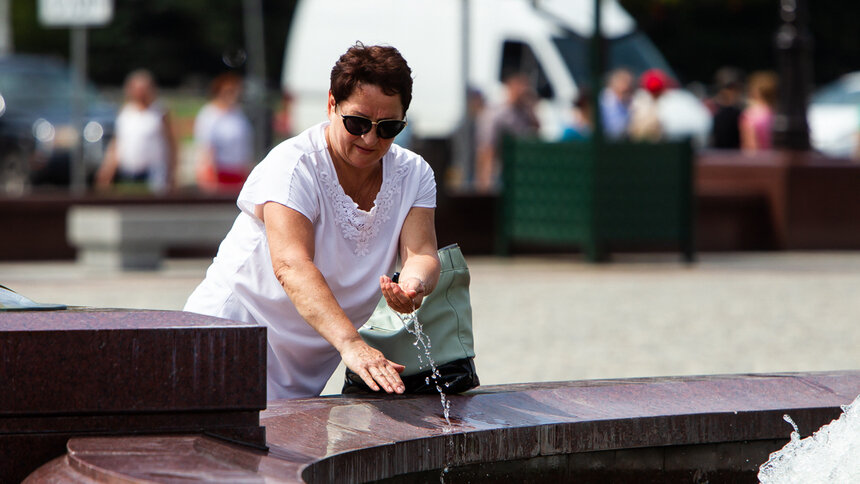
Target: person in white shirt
pixel 144 148
pixel 223 137
pixel 323 220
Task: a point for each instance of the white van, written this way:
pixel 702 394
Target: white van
pixel 547 38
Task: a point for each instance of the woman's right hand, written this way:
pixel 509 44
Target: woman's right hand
pixel 372 366
pixel 403 297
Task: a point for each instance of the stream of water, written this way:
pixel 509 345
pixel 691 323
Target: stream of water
pixel 423 343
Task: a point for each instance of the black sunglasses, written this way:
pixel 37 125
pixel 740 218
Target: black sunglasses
pixel 385 129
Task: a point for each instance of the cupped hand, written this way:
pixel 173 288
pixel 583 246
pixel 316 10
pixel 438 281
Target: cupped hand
pixel 403 297
pixel 372 366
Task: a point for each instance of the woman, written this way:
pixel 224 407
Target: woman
pixel 645 123
pixel 144 150
pixel 323 218
pixel 756 121
pixel 224 137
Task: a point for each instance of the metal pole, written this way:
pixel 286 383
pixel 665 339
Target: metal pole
pixel 6 46
pixel 463 143
pixel 793 45
pixel 77 169
pixel 256 82
pixel 596 75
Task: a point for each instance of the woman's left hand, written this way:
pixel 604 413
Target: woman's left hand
pixel 372 366
pixel 404 297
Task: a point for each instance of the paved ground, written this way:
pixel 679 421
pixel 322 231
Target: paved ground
pixel 557 318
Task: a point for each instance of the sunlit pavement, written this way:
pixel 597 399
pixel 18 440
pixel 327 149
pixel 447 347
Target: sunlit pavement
pixel 558 318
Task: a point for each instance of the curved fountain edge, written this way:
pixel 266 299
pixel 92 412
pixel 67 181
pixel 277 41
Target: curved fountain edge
pixel 599 415
pixel 356 439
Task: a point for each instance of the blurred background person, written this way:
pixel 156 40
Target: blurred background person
pixel 756 122
pixel 514 117
pixel 645 124
pixel 144 149
pixel 615 103
pixel 580 127
pixel 726 106
pixel 224 137
pixel 461 174
pixel 282 121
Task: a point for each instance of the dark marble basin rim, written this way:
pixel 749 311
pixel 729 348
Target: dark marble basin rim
pixel 81 318
pixel 358 439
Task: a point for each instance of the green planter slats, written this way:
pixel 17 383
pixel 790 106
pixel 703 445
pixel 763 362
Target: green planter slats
pixel 597 196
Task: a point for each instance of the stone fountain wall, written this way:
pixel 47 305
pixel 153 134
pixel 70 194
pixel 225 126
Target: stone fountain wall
pixel 690 429
pixel 79 372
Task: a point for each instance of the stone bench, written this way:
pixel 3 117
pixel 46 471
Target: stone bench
pixel 806 201
pixel 137 236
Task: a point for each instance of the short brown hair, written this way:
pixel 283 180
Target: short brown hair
pixel 222 81
pixel 378 65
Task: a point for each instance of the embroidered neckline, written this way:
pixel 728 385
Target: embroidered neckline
pixel 356 224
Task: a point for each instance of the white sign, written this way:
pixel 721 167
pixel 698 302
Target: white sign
pixel 75 13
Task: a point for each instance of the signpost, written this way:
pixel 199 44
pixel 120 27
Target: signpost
pixel 77 15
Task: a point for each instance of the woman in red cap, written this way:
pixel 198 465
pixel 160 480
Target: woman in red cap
pixel 645 122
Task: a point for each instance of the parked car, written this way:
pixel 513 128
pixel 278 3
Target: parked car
pixel 37 133
pixel 834 116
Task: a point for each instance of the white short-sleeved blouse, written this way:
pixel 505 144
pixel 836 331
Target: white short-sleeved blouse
pixel 352 249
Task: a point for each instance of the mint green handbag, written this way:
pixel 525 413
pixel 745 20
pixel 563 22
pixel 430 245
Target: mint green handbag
pixel 445 316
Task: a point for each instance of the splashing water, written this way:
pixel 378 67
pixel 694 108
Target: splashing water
pixel 829 455
pixel 422 342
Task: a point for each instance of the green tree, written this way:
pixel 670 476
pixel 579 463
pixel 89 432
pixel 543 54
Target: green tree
pixel 175 40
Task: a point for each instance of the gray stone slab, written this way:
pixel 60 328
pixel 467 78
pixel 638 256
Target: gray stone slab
pixel 137 236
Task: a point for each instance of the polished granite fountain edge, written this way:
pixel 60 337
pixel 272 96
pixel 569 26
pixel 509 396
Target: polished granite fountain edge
pixel 85 361
pixel 102 372
pixel 356 439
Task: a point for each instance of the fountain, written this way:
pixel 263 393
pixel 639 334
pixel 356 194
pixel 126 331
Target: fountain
pixel 162 396
pixel 713 428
